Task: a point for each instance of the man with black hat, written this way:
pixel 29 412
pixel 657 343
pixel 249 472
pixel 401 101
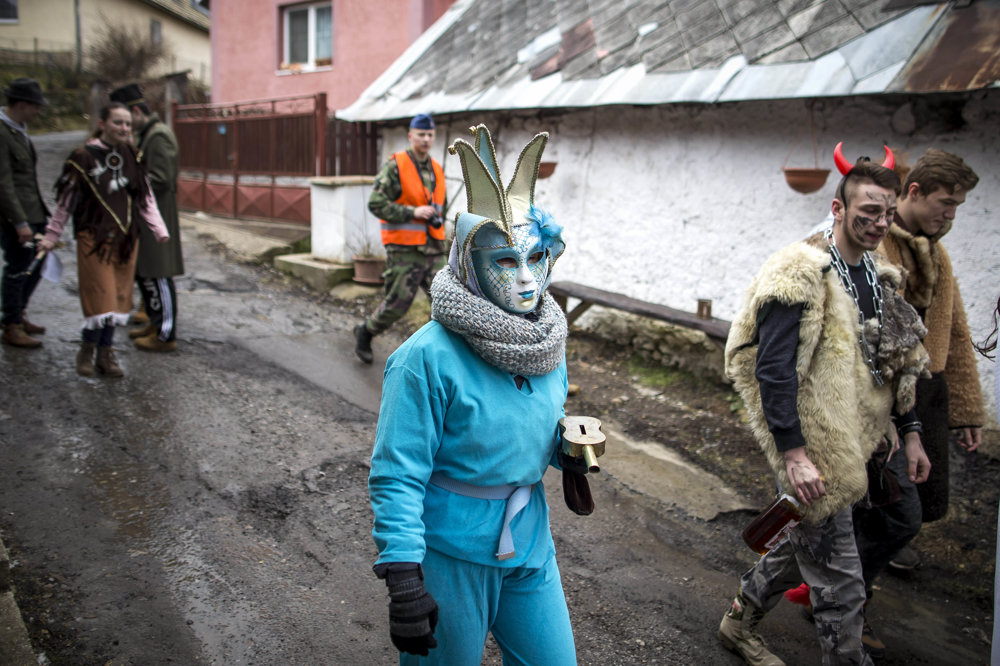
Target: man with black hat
pixel 408 199
pixel 157 263
pixel 23 213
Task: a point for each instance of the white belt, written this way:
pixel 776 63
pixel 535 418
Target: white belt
pixel 517 498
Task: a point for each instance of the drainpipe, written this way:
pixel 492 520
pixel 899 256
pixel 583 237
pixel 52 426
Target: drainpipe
pixel 79 42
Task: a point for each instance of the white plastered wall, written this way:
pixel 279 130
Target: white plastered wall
pixel 671 204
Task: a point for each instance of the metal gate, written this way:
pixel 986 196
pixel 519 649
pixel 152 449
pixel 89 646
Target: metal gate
pixel 254 159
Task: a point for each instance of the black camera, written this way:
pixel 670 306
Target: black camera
pixel 437 221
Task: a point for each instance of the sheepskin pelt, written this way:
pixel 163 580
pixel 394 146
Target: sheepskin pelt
pixel 899 354
pixel 844 415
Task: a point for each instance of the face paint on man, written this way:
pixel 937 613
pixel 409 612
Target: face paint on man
pixel 511 276
pixel 864 221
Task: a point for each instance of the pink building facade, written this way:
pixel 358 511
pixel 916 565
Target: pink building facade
pixel 262 49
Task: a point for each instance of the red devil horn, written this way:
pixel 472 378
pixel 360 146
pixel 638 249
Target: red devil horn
pixel 843 166
pixel 890 159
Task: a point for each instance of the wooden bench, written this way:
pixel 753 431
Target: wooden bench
pixel 717 329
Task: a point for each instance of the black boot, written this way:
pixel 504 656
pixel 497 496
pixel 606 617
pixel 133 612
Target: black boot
pixel 363 343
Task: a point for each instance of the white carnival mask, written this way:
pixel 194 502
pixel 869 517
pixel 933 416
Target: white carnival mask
pixel 504 246
pixel 511 276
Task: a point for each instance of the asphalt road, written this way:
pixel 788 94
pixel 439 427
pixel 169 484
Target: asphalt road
pixel 211 506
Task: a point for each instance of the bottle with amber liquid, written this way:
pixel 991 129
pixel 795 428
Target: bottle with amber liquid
pixel 773 523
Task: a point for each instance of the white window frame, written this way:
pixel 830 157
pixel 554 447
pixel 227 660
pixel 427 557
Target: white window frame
pixel 310 65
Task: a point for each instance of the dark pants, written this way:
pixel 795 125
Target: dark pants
pixel 15 287
pixel 406 271
pixel 881 531
pixel 159 297
pixel 932 410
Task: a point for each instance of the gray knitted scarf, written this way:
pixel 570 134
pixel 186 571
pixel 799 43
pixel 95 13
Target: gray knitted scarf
pixel 504 340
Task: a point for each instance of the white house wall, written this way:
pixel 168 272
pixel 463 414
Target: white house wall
pixel 672 204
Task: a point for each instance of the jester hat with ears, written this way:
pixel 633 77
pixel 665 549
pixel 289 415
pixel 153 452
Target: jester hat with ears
pixel 496 215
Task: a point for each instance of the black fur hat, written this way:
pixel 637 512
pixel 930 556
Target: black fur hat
pixel 25 90
pixel 128 94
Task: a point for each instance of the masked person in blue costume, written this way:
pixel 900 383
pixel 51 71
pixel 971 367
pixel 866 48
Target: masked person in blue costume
pixel 468 426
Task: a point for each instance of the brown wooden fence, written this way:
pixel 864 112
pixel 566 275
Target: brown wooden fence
pixel 253 159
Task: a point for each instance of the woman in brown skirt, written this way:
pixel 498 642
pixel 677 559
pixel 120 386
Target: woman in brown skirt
pixel 105 190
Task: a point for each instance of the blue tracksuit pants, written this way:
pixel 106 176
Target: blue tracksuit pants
pixel 523 607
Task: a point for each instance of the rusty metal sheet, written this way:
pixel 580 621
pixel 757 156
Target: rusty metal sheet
pixel 219 199
pixel 965 55
pixel 293 204
pixel 253 201
pixel 190 194
pixel 575 41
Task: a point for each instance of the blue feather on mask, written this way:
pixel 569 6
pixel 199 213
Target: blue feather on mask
pixel 548 230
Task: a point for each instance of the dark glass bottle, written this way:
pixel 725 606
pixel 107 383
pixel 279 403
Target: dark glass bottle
pixel 773 523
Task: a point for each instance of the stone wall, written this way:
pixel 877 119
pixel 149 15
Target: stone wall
pixel 658 342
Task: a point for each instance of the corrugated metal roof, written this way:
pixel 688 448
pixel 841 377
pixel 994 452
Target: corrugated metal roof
pixel 532 54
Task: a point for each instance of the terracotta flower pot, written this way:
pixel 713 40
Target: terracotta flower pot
pixel 546 169
pixel 368 270
pixel 806 181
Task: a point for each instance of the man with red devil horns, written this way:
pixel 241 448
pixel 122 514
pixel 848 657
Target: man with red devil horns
pixel 823 352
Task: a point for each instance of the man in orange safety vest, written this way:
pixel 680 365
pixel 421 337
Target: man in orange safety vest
pixel 408 198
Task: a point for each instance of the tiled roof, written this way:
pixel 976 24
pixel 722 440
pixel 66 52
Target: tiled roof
pixel 183 10
pixel 500 54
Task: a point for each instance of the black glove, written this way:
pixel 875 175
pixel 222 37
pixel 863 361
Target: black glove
pixel 413 614
pixel 576 489
pixel 571 464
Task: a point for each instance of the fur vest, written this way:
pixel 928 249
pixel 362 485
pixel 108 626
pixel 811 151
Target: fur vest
pixel 932 288
pixel 843 414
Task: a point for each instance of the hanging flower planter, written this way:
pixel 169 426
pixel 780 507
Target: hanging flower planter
pixel 805 181
pixel 368 269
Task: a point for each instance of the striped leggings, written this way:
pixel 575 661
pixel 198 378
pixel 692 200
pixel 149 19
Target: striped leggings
pixel 160 300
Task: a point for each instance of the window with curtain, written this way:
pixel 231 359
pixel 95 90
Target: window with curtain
pixel 308 36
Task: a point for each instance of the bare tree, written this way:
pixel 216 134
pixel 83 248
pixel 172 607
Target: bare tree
pixel 122 53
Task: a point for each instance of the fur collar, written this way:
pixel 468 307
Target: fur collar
pixel 921 260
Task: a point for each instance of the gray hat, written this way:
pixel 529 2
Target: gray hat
pixel 25 90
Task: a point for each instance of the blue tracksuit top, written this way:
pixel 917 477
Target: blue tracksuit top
pixel 446 410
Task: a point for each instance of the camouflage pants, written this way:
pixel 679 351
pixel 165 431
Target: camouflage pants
pixel 826 558
pixel 405 272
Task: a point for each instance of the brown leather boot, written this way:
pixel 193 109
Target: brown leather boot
pixel 107 364
pixel 85 359
pixel 14 335
pixel 148 329
pixel 140 317
pixel 29 328
pixel 151 343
